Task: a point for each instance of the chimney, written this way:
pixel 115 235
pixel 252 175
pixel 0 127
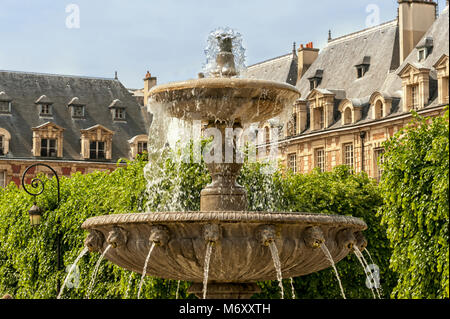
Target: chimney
pixel 306 56
pixel 415 17
pixel 149 82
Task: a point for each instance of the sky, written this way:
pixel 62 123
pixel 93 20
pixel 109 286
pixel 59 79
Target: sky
pixel 166 37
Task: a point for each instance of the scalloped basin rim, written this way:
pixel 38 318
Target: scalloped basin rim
pixel 232 216
pixel 222 83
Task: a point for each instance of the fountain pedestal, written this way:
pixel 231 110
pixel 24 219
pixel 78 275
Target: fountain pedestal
pixel 224 193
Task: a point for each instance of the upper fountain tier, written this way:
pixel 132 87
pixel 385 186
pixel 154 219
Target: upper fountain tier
pixel 224 97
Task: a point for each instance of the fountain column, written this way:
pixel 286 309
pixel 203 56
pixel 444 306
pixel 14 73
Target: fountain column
pixel 224 193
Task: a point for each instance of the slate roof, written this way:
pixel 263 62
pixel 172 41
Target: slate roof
pixel 95 93
pixel 280 69
pixel 376 46
pixel 379 48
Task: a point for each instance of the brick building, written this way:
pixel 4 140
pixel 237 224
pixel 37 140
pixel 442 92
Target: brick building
pixel 359 90
pixel 72 123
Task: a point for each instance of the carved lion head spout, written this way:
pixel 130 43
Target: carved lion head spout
pixel 346 238
pixel 117 237
pixel 361 241
pixel 159 235
pixel 313 237
pixel 211 232
pixel 267 234
pixel 94 241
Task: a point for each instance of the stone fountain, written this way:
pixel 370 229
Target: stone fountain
pixel 241 256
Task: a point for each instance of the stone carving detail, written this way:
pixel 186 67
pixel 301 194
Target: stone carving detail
pixel 361 241
pixel 94 241
pixel 117 237
pixel 313 237
pixel 159 235
pixel 211 232
pixel 267 234
pixel 346 238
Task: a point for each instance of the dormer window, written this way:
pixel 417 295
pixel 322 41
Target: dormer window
pixel 46 109
pixel 5 103
pixel 424 49
pixel 97 150
pixel 363 67
pixel 48 147
pixel 315 80
pixel 77 108
pixel 2 152
pixel 422 54
pixel 96 143
pixel 360 71
pixel 119 114
pixel 118 110
pixel 45 106
pixel 48 140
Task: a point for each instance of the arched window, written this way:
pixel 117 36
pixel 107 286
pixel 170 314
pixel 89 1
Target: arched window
pixel 378 109
pixel 347 116
pixel 380 104
pixel 5 137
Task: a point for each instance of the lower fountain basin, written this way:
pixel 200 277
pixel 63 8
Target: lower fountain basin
pixel 240 253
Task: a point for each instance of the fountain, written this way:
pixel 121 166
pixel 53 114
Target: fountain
pixel 223 243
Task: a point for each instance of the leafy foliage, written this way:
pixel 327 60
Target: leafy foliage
pixel 28 256
pixel 415 189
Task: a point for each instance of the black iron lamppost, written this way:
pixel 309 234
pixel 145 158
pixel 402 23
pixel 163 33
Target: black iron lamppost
pixel 36 212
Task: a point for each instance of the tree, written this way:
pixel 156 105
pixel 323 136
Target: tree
pixel 415 189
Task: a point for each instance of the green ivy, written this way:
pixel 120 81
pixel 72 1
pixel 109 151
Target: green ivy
pixel 415 189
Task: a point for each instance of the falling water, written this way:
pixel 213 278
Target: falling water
pixel 370 257
pixel 72 268
pixel 206 265
pixel 144 271
pixel 373 263
pixel 327 254
pixel 292 288
pixel 94 275
pixel 178 289
pixel 368 273
pixel 277 264
pixel 213 49
pixel 129 285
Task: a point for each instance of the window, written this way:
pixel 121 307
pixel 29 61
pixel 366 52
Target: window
pixel 5 107
pixel 48 147
pixel 142 147
pixel 2 145
pixel 347 116
pixel 414 97
pixel 46 109
pixel 320 159
pixel 2 179
pixel 314 83
pixel 348 155
pixel 97 150
pixel 292 163
pixel 119 113
pixel 422 54
pixel 78 111
pixel 379 160
pixel 378 110
pixel 445 89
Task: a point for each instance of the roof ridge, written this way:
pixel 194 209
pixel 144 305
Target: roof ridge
pixel 361 32
pixel 54 74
